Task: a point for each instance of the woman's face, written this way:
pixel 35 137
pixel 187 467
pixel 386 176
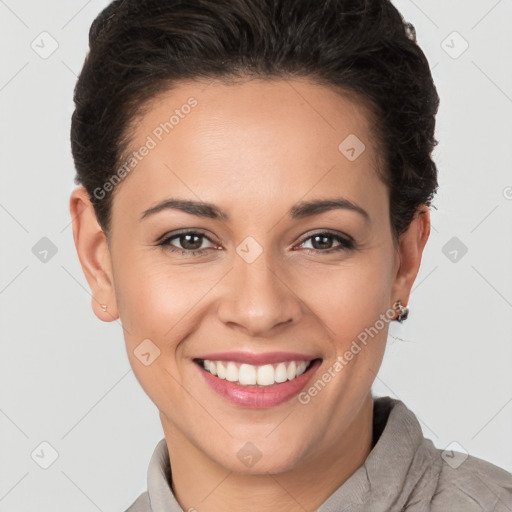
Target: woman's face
pixel 259 277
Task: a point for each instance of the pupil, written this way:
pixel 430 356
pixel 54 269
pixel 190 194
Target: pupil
pixel 325 241
pixel 184 240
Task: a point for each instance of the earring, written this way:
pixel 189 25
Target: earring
pixel 103 307
pixel 403 312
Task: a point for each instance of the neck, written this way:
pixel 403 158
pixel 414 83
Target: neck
pixel 199 482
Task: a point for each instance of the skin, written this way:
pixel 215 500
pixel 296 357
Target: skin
pixel 253 149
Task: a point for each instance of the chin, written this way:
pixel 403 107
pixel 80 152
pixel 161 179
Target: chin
pixel 260 458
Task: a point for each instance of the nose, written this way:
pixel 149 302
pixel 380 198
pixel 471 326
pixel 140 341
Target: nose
pixel 258 297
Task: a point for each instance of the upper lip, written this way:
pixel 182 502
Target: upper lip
pixel 257 359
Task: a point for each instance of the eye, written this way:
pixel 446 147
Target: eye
pixel 322 242
pixel 190 241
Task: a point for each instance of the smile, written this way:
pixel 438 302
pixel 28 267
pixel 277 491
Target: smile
pixel 257 386
pixel 251 375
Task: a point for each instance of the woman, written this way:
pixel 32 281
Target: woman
pixel 259 174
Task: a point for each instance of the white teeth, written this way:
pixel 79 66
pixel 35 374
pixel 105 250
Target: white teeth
pixel 221 370
pixel 232 372
pixel 247 375
pixel 265 375
pixel 250 375
pixel 292 370
pixel 281 375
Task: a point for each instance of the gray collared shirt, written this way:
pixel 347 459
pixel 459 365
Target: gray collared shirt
pixel 403 472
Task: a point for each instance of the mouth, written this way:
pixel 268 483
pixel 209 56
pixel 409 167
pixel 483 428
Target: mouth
pixel 245 374
pixel 257 386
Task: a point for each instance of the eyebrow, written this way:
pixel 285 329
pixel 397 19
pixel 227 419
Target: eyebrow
pixel 300 210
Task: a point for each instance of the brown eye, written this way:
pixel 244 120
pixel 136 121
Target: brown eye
pixel 323 242
pixel 189 243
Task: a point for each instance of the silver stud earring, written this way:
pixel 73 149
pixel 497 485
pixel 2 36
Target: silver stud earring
pixel 103 307
pixel 403 312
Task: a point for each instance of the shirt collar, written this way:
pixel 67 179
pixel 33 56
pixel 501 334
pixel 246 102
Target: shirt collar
pixel 401 460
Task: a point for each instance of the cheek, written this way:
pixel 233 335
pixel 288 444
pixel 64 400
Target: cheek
pixel 140 293
pixel 350 297
pixel 160 301
pixel 151 302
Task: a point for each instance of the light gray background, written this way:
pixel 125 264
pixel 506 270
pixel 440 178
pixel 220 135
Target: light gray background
pixel 65 376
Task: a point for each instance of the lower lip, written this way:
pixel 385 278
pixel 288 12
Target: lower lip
pixel 259 397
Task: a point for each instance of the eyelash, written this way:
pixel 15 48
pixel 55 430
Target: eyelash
pixel 346 244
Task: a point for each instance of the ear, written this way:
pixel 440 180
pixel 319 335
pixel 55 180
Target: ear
pixel 94 255
pixel 410 250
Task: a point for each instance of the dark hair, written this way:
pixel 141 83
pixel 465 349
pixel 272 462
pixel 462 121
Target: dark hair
pixel 139 48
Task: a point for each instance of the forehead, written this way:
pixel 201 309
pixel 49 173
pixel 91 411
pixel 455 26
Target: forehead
pixel 254 142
